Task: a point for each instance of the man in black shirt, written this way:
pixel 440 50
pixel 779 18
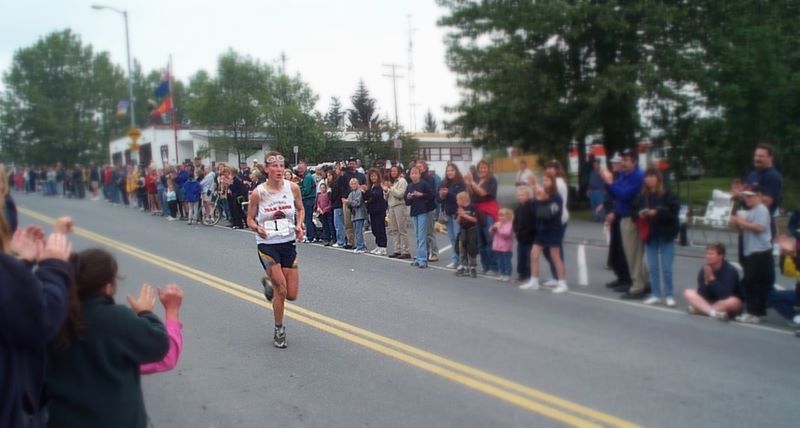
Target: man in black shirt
pixel 718 293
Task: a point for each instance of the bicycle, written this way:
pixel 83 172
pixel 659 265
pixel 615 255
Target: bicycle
pixel 216 211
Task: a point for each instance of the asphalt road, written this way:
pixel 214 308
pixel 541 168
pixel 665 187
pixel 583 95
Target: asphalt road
pixel 374 342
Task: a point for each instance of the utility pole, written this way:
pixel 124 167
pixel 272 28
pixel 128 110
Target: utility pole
pixel 394 76
pixel 283 63
pixel 412 106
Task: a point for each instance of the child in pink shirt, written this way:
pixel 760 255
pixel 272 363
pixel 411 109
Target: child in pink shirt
pixel 171 298
pixel 503 241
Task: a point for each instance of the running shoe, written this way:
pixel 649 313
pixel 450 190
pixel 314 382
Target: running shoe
pixel 279 338
pixel 748 319
pixel 451 265
pixel 267 284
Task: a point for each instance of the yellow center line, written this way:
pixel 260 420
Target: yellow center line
pixel 487 383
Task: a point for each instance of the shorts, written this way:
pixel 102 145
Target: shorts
pixel 284 254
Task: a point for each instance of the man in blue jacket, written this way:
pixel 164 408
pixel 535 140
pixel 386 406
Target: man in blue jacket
pixel 624 189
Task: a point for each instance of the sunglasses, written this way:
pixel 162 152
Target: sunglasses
pixel 275 158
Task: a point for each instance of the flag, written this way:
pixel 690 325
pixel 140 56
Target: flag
pixel 122 108
pixel 163 87
pixel 165 107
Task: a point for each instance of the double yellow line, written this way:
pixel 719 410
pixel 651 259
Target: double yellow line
pixel 528 398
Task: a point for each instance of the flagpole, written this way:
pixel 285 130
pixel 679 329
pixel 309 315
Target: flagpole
pixel 174 125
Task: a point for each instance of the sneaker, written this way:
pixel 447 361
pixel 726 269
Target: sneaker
pixel 748 319
pixel 433 258
pixel 670 301
pixel 305 240
pixel 404 256
pixel 279 338
pixel 561 287
pixel 267 285
pixel 451 265
pixel 473 272
pixel 652 300
pixel 359 251
pixel 461 271
pixel 552 282
pixel 691 310
pixel 414 264
pixel 719 315
pixel 171 218
pixel 394 255
pixel 348 247
pixel 425 266
pixel 375 251
pixel 328 244
pixel 532 284
pixel 337 246
pixel 383 252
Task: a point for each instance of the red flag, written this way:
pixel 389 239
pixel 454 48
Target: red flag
pixel 165 107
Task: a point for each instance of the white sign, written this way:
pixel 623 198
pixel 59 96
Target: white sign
pixel 398 144
pixel 296 149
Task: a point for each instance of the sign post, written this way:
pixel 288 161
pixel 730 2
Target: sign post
pixel 398 144
pixel 295 149
pixel 134 133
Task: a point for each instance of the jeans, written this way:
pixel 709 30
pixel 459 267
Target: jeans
pixel 659 259
pixel 524 261
pixel 328 232
pixel 338 223
pixel 596 198
pixel 308 207
pixel 358 229
pixel 452 234
pixel 488 261
pixel 783 301
pixel 503 262
pixel 420 223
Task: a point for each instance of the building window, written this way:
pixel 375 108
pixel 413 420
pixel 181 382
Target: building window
pixel 445 154
pixel 461 154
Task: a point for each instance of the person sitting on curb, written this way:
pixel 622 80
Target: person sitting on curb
pixel 786 302
pixel 718 293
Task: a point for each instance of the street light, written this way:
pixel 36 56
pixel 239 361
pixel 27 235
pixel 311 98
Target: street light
pixel 124 14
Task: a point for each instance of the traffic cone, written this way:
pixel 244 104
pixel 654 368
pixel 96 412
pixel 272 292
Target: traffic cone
pixel 583 273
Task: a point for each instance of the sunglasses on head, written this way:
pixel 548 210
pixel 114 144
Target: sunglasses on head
pixel 275 158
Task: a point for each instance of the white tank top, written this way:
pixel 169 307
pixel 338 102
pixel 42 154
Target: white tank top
pixel 276 214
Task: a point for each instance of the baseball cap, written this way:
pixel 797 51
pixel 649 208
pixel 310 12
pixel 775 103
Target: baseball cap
pixel 629 153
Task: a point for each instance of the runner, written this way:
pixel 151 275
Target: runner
pixel 272 213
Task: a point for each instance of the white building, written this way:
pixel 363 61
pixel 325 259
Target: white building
pixel 440 149
pixel 163 145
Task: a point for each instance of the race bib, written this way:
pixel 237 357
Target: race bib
pixel 282 227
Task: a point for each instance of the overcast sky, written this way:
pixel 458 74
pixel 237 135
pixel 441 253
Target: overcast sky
pixel 330 43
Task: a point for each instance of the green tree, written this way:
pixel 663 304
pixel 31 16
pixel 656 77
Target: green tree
pixel 371 130
pixel 290 118
pixel 752 80
pixel 232 105
pixel 59 102
pixel 430 123
pixel 539 75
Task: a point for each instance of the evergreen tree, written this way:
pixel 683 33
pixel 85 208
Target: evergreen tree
pixel 430 122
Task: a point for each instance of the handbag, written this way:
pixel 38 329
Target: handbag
pixel 644 228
